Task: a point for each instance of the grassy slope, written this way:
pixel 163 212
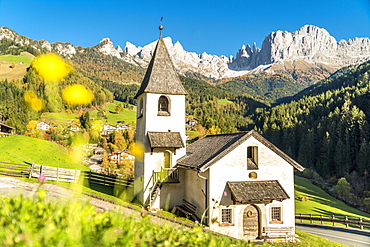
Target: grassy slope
pixel 65 116
pixel 319 202
pixel 18 72
pixel 129 116
pixel 21 58
pixel 224 102
pixel 27 150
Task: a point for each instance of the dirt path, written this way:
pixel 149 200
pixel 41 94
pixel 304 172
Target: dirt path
pixel 11 187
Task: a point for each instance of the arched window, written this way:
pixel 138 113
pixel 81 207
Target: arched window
pixel 167 159
pixel 163 106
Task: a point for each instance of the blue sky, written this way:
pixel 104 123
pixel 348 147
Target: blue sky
pixel 216 27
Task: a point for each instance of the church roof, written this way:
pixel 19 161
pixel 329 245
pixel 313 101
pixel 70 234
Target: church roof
pixel 161 76
pixel 165 140
pixel 248 191
pixel 205 152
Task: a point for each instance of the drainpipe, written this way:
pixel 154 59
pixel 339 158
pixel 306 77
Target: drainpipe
pixel 205 193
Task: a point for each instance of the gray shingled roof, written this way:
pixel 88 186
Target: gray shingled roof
pixel 248 191
pixel 208 150
pixel 205 152
pixel 165 140
pixel 161 76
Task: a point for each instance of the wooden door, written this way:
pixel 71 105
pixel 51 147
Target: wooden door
pixel 251 226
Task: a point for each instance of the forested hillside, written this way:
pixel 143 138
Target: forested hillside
pixel 268 87
pixel 327 127
pixel 15 111
pixel 201 102
pixel 98 66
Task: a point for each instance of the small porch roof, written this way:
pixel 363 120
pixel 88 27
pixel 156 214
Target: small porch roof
pixel 251 191
pixel 165 140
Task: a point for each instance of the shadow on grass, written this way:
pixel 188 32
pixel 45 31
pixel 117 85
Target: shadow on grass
pixel 326 212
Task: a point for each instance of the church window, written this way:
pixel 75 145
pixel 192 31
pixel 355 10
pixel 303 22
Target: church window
pixel 226 215
pixel 163 106
pixel 252 158
pixel 276 215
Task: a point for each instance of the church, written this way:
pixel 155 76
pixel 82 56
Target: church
pixel 238 184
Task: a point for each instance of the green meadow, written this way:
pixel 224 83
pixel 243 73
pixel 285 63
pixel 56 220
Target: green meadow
pixel 224 102
pixel 127 115
pixel 112 116
pixel 318 201
pixel 27 150
pixel 65 116
pixel 14 58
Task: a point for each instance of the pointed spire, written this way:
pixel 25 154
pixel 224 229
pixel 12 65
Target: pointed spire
pixel 161 76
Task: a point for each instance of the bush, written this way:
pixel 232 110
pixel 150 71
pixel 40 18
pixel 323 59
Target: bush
pixel 342 188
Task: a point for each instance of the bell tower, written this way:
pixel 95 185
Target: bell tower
pixel 160 123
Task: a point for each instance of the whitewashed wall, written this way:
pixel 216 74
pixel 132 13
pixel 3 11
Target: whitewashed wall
pixel 150 121
pixel 233 167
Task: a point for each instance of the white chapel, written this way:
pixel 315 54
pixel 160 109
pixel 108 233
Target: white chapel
pixel 238 184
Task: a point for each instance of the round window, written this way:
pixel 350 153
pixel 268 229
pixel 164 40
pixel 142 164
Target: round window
pixel 253 175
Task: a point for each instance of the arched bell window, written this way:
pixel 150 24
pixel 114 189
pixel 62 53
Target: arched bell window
pixel 163 106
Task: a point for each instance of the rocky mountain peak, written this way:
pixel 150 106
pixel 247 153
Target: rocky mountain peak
pixel 281 50
pixel 119 49
pixel 106 47
pixel 309 43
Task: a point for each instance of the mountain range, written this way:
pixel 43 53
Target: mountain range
pixel 306 55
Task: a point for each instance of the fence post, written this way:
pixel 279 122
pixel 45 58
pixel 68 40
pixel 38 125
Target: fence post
pixel 310 218
pixel 31 170
pixel 346 221
pixel 57 174
pixel 333 219
pixel 361 226
pixel 320 219
pixel 41 170
pixel 301 217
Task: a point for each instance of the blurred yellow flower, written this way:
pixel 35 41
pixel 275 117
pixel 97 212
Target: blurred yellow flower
pixel 51 67
pixel 77 95
pixel 33 101
pixel 138 149
pixel 97 126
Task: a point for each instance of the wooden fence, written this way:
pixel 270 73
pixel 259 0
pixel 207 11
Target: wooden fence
pixel 345 220
pixel 106 180
pixel 55 173
pixel 15 170
pixel 63 175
